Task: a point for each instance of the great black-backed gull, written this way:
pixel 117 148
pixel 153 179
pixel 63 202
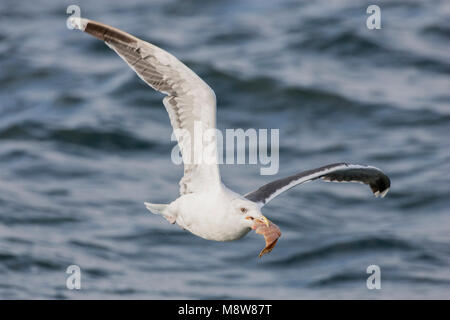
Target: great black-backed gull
pixel 206 207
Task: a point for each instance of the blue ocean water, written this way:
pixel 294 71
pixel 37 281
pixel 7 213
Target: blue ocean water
pixel 84 142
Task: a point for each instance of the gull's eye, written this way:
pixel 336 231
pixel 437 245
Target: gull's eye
pixel 244 210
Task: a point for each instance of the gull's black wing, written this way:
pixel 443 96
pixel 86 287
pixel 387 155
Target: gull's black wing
pixel 336 172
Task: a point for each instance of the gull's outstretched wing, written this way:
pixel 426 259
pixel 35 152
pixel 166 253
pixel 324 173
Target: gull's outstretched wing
pixel 336 172
pixel 190 102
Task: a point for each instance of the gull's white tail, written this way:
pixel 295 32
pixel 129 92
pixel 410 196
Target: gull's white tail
pixel 156 208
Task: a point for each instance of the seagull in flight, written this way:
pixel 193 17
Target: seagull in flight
pixel 206 207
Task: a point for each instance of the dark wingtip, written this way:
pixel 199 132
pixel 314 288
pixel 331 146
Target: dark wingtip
pixel 102 31
pixel 105 33
pixel 380 187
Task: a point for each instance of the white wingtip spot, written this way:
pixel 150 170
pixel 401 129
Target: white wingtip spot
pixel 78 23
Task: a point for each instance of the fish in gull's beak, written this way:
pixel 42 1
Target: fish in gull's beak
pixel 269 230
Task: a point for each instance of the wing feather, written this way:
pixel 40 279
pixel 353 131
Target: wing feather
pixel 189 100
pixel 336 172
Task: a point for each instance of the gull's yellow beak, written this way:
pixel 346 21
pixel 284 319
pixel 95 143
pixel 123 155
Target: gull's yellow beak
pixel 262 219
pixel 265 220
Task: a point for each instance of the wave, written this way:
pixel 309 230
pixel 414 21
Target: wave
pixel 94 138
pixel 349 247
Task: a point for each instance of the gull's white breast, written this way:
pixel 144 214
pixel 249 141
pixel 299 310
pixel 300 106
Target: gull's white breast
pixel 210 216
